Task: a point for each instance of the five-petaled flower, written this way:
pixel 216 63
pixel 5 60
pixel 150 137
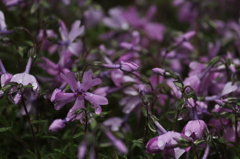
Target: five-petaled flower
pixel 79 94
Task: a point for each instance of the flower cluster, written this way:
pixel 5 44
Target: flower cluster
pixel 137 80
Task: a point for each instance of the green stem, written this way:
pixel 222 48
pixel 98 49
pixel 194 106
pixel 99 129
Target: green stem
pixel 31 127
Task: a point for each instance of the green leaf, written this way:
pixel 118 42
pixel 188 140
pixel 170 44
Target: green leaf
pixel 105 145
pixel 34 8
pixel 60 151
pixel 178 84
pixel 28 86
pixel 115 156
pixel 32 153
pixel 38 121
pixel 137 143
pixel 93 123
pixel 180 103
pixel 103 113
pixel 151 127
pixel 214 61
pixel 5 129
pixel 78 135
pixel 50 137
pixel 21 50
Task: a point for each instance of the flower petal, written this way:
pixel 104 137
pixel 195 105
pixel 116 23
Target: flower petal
pixel 25 79
pixel 63 31
pixel 72 81
pixel 88 82
pixel 130 103
pixel 72 115
pixel 3 25
pixel 228 88
pixel 62 99
pixel 98 109
pixel 75 48
pixel 57 125
pixel 96 99
pixel 117 77
pixel 75 30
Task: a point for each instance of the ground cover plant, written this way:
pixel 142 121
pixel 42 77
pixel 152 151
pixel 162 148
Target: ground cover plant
pixel 119 79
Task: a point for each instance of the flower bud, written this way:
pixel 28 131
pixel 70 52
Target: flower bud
pixel 57 125
pixel 163 72
pixel 128 66
pixel 159 71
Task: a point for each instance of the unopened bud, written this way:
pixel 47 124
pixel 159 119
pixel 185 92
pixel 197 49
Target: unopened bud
pixel 128 66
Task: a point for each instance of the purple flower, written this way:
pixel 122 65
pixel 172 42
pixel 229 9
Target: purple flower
pixel 165 143
pixel 116 19
pixel 92 16
pixel 69 37
pixel 79 94
pixel 153 30
pixel 195 129
pixel 63 66
pixel 187 12
pixel 134 45
pixel 57 125
pixel 25 79
pixel 46 45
